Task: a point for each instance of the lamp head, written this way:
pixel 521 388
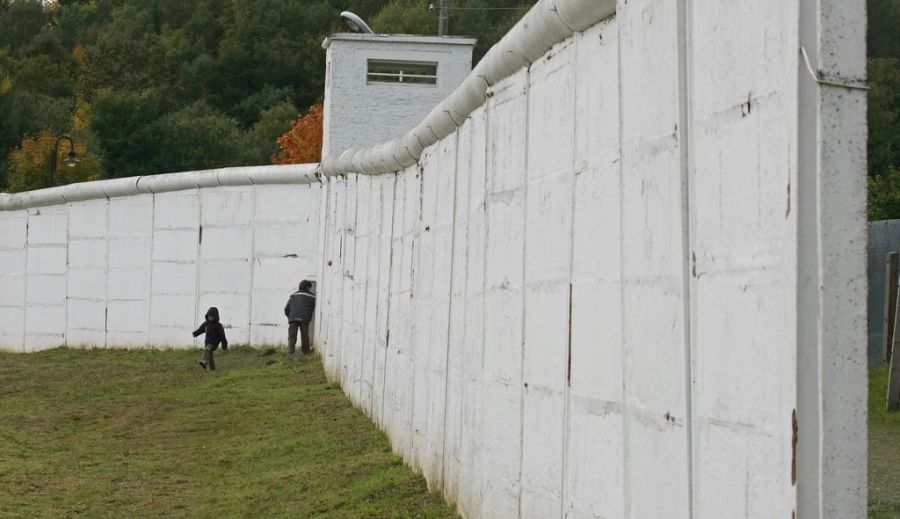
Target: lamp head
pixel 355 23
pixel 71 158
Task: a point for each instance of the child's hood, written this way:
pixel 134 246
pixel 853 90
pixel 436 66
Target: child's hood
pixel 214 312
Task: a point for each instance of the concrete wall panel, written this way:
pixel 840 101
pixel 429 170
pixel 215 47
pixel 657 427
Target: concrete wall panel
pixel 131 252
pixel 12 289
pixel 226 206
pixel 86 316
pixel 48 226
pixel 174 278
pixel 175 245
pixel 134 280
pixel 88 220
pixel 280 239
pixel 12 262
pixel 47 290
pixel 281 274
pixel 176 210
pixel 221 243
pixel 173 311
pixel 49 260
pixel 12 327
pixel 131 216
pixel 87 253
pixel 617 203
pixel 13 229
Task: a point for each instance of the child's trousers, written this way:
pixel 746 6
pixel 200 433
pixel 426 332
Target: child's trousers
pixel 208 357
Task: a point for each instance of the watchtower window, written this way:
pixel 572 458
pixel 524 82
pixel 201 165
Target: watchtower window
pixel 391 71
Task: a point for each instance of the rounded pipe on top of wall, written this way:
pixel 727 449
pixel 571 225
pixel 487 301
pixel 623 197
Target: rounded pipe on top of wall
pixel 547 23
pixel 152 184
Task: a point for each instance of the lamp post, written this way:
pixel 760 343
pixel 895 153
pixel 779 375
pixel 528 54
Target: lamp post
pixel 443 18
pixel 71 157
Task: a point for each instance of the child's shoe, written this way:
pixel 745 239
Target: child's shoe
pixel 202 364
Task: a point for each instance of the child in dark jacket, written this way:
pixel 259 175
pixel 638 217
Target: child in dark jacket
pixel 215 335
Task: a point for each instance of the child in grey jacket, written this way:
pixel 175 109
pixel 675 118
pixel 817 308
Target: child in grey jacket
pixel 299 311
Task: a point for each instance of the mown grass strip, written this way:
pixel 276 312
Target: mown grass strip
pixel 115 433
pixel 884 451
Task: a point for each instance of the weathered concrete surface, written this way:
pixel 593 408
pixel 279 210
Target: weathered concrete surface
pixel 608 293
pixel 596 297
pixel 141 270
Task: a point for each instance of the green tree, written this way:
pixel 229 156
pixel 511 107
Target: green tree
pixel 487 20
pixel 128 54
pixel 123 122
pixel 20 22
pixel 884 196
pixel 884 109
pixel 405 17
pixel 168 85
pixel 196 137
pixel 262 139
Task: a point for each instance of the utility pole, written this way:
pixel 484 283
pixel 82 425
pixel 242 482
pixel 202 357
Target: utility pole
pixel 443 18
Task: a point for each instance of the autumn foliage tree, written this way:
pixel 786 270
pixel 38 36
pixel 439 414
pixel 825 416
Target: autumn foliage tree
pixel 302 144
pixel 30 164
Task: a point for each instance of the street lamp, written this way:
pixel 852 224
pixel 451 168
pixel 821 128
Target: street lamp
pixel 71 158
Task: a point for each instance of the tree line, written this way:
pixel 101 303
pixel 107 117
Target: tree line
pixel 883 69
pixel 155 86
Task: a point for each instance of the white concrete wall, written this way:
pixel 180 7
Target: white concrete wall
pixel 141 270
pixel 588 300
pixel 359 113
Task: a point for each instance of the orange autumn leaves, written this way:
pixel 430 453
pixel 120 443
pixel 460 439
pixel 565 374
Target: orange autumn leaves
pixel 302 144
pixel 30 163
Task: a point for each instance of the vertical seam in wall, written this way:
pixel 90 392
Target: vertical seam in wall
pixel 808 450
pixel 626 467
pixel 522 391
pixel 25 279
pixel 684 107
pixel 484 249
pixel 413 262
pixel 365 312
pixel 572 202
pixel 353 281
pixel 375 335
pixel 68 241
pixel 387 337
pixel 339 343
pixel 465 296
pixel 252 261
pixel 333 242
pixel 197 259
pixel 450 306
pixel 152 253
pixel 106 302
pixel 321 288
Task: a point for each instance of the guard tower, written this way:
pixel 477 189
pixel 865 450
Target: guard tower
pixel 379 86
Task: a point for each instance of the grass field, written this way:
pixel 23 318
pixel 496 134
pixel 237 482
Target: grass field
pixel 884 451
pixel 112 433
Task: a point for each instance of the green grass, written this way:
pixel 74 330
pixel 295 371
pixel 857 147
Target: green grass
pixel 884 450
pixel 114 433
